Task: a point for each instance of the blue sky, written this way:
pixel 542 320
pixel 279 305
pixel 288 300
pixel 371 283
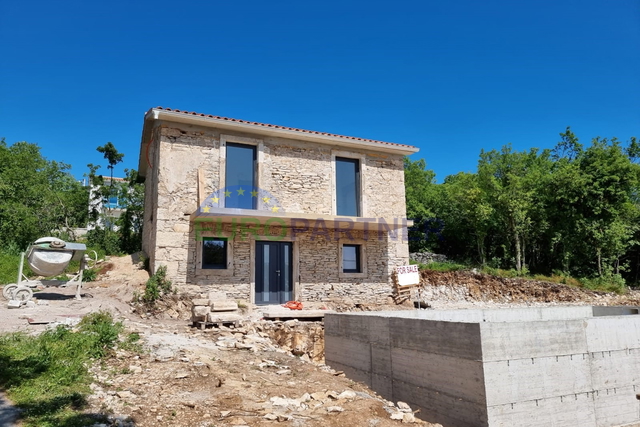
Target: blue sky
pixel 450 77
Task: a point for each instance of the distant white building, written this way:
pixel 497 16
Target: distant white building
pixel 110 209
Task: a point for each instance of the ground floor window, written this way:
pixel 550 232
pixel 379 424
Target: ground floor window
pixel 351 256
pixel 214 253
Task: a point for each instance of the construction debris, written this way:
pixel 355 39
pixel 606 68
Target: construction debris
pixel 216 310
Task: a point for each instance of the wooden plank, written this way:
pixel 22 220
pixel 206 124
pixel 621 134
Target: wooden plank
pixel 295 314
pixel 201 187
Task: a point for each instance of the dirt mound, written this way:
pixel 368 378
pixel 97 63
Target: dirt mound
pixel 468 286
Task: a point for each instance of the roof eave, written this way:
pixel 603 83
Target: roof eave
pixel 179 117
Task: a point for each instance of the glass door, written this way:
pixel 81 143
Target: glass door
pixel 274 271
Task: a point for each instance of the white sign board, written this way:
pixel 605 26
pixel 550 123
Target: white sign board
pixel 408 275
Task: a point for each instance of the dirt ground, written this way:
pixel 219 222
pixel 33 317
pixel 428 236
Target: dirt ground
pixel 258 374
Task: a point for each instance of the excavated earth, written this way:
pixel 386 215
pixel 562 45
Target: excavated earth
pixel 261 373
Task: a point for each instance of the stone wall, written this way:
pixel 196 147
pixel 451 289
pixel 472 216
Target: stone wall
pixel 427 257
pixel 150 198
pixel 297 173
pixel 317 275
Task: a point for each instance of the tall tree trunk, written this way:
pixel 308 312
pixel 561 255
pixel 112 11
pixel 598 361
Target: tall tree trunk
pixel 524 263
pixel 518 252
pixel 480 245
pixel 599 252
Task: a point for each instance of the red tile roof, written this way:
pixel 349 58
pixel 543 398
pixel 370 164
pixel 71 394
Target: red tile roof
pixel 191 113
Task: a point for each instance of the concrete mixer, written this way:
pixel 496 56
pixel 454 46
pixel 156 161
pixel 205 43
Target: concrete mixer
pixel 47 257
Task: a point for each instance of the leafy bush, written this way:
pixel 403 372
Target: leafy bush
pixel 100 325
pixel 89 275
pixel 104 239
pixel 157 286
pixel 609 283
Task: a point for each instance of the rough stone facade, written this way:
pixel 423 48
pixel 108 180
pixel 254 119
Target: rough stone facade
pixel 182 161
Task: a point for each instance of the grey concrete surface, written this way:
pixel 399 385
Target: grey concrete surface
pixel 560 366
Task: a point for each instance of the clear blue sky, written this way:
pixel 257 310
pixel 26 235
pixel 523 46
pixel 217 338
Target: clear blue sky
pixel 451 77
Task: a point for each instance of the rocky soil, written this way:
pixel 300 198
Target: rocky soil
pixel 262 373
pixel 230 377
pixel 464 289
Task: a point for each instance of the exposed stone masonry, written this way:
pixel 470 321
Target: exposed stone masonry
pixel 299 175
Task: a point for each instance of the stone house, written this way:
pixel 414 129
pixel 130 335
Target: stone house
pixel 268 213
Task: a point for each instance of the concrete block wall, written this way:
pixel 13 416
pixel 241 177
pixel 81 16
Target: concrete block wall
pixel 576 371
pixel 432 365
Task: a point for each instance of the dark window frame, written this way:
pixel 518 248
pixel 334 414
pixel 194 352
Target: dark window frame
pixel 254 169
pixel 217 266
pixel 358 268
pixel 358 185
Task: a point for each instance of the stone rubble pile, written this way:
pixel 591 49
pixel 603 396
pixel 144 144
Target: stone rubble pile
pixel 282 408
pixel 427 257
pixel 301 338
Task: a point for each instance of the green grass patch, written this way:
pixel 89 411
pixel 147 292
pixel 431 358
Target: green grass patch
pixel 500 272
pixel 611 283
pixel 9 264
pixel 444 266
pixel 9 267
pixel 47 375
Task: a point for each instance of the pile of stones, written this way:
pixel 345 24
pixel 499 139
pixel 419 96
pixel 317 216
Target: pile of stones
pixel 216 308
pixel 427 257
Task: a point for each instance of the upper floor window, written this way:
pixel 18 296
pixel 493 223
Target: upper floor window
pixel 240 173
pixel 347 186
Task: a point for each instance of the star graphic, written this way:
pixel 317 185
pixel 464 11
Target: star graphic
pixel 275 209
pixel 254 193
pixel 266 199
pixel 215 199
pixel 206 209
pixel 240 192
pixel 227 194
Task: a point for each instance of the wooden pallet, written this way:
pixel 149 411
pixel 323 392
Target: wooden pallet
pixel 407 292
pixel 228 323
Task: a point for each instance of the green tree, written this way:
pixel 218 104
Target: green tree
pixel 131 197
pixel 112 156
pixel 512 181
pixel 608 215
pixel 421 196
pixel 38 197
pixel 466 212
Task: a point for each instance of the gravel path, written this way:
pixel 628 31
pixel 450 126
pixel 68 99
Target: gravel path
pixel 8 413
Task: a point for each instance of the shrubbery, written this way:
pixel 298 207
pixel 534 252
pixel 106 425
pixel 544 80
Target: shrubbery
pixel 47 376
pixel 156 287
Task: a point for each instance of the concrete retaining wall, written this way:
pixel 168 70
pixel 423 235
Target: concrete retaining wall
pixel 555 366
